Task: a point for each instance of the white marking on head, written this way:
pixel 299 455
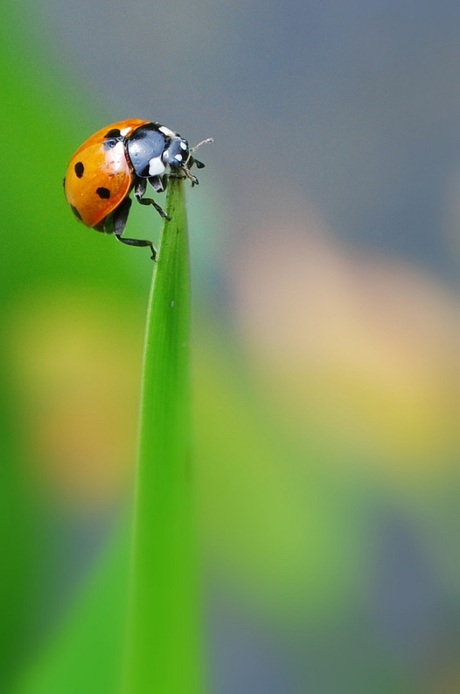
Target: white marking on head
pixel 178 157
pixel 183 145
pixel 166 131
pixel 125 131
pixel 156 167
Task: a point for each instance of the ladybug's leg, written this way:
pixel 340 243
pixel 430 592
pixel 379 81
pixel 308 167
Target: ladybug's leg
pixel 139 190
pixel 120 218
pixel 158 183
pixel 178 175
pixel 190 176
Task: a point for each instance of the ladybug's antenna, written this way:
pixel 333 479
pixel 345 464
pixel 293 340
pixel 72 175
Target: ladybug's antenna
pixel 208 141
pixel 192 161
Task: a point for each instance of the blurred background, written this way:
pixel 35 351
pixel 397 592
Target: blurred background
pixel 325 254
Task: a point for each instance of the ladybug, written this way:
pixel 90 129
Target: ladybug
pixel 118 159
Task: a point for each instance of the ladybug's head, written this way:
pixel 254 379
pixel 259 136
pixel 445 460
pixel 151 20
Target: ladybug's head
pixel 177 153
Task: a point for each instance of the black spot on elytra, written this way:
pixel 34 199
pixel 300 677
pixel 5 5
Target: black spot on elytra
pixel 79 169
pixel 103 193
pixel 76 212
pixel 113 133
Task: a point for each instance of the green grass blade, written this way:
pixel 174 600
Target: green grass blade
pixel 163 648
